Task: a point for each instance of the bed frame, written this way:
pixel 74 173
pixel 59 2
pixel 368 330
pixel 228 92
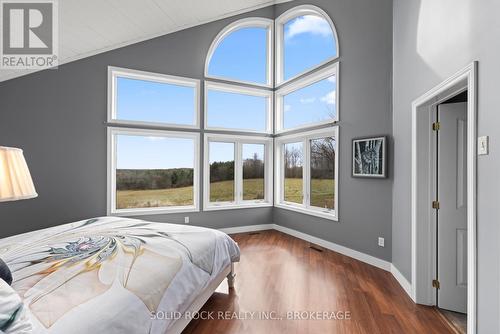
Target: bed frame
pixel 179 325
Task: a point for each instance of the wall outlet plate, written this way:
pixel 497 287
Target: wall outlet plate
pixel 381 242
pixel 483 145
pixel 186 220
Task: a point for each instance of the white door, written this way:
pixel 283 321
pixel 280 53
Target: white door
pixel 452 213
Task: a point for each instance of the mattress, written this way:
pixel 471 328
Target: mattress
pixel 114 275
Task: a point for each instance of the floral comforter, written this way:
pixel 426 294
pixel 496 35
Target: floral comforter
pixel 110 275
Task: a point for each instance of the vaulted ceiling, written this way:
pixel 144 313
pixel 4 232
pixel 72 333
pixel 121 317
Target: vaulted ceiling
pixel 88 27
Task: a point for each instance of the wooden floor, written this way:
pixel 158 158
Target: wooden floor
pixel 279 274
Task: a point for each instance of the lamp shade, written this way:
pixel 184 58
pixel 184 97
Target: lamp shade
pixel 15 177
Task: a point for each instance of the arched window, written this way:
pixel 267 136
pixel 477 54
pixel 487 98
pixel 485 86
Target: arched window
pixel 306 38
pixel 242 52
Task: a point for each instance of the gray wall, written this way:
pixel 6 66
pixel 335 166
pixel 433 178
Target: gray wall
pixel 58 116
pixel 365 205
pixel 432 40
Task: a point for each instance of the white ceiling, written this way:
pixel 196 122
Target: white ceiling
pixel 88 27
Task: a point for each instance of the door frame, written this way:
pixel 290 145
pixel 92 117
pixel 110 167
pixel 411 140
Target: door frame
pixel 422 181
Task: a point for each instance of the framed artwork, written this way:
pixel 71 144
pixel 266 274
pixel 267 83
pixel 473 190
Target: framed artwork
pixel 369 157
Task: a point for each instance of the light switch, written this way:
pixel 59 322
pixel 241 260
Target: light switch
pixel 482 145
pixel 381 242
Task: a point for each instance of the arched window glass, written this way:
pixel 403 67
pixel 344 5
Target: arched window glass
pixel 306 38
pixel 241 53
pixel 308 42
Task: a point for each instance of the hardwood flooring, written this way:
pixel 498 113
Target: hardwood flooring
pixel 279 274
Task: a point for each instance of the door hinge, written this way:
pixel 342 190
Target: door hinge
pixel 435 204
pixel 436 126
pixel 435 284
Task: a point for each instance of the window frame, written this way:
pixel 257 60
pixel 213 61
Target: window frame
pixel 115 72
pixel 112 133
pixel 228 88
pixel 239 141
pixel 316 76
pixel 250 22
pixel 280 43
pixel 305 207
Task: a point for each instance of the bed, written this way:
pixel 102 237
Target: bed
pixel 117 275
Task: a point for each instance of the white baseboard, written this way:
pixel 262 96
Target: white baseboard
pixel 379 263
pixel 401 280
pixel 248 228
pixel 374 261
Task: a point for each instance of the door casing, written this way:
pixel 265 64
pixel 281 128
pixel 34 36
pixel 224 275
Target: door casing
pixel 422 215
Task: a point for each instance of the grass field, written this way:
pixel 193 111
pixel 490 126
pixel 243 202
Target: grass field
pixel 321 194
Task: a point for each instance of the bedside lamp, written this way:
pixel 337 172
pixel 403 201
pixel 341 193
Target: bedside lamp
pixel 15 178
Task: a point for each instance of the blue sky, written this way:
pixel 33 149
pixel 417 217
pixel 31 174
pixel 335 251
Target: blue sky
pixel 310 104
pixel 309 41
pixel 242 56
pixel 221 152
pixel 148 101
pixel 237 111
pixel 139 152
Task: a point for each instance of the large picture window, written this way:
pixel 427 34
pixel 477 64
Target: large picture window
pixel 229 107
pixel 307 102
pixel 307 172
pixel 238 171
pixel 145 98
pixel 144 175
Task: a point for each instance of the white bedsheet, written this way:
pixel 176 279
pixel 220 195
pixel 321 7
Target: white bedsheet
pixel 109 275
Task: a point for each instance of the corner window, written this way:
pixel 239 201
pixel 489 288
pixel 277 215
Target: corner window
pixel 310 101
pixel 145 177
pixel 144 98
pixel 307 172
pixel 238 172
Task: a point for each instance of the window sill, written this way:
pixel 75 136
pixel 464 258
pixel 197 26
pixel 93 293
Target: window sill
pixel 228 206
pixel 330 215
pixel 152 211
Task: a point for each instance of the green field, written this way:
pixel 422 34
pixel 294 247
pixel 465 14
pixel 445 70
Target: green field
pixel 321 194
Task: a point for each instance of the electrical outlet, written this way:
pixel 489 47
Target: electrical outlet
pixel 186 220
pixel 381 242
pixel 482 145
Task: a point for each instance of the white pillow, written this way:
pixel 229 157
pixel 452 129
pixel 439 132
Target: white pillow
pixel 13 316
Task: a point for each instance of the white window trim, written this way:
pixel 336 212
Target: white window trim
pixel 312 78
pixel 281 21
pixel 111 175
pixel 304 137
pixel 115 72
pixel 223 87
pixel 238 203
pixel 257 22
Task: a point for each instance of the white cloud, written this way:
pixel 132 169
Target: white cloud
pixel 307 100
pixel 153 139
pixel 287 107
pixel 308 24
pixel 329 98
pixel 332 79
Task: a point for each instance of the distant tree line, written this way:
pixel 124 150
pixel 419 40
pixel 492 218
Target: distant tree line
pixel 142 179
pixel 223 171
pixel 322 159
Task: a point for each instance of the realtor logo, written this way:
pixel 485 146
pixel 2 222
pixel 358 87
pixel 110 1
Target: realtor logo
pixel 29 34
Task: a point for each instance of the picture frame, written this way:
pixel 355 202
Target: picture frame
pixel 369 157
